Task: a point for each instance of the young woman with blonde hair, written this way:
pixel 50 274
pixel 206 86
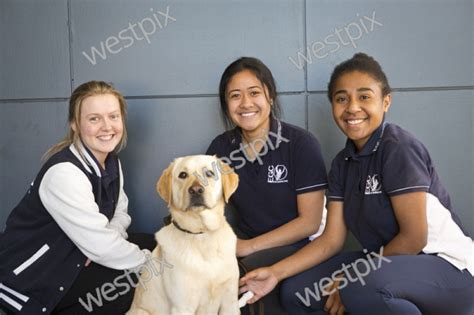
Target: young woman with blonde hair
pixel 67 237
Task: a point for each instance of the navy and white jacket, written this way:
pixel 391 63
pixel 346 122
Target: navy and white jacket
pixel 74 210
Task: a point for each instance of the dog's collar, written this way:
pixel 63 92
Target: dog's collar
pixel 184 230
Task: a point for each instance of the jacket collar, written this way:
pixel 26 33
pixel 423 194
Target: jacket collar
pixel 235 135
pixel 90 163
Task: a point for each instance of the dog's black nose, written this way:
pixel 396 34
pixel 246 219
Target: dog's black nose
pixel 196 190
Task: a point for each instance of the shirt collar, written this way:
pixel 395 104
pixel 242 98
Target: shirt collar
pixel 275 127
pixel 370 147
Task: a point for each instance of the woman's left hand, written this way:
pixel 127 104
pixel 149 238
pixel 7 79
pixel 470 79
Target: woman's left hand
pixel 334 304
pixel 244 247
pixel 260 281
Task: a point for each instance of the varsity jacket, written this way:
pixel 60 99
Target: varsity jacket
pixel 73 210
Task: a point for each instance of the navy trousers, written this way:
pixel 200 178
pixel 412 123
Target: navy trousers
pixel 395 285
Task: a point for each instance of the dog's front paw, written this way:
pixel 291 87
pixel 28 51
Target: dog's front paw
pixel 210 220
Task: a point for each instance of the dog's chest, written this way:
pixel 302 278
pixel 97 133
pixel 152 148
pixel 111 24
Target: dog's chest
pixel 212 256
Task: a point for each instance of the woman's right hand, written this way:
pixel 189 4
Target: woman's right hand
pixel 260 281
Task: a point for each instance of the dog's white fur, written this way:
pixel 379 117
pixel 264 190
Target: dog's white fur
pixel 201 272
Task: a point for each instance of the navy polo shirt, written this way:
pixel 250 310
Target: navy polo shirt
pixel 392 162
pixel 289 164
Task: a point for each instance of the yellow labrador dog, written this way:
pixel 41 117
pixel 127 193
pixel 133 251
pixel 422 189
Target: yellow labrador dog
pixel 199 244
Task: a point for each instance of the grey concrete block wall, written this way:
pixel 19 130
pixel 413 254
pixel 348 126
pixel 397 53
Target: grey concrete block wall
pixel 34 50
pixel 170 77
pixel 188 53
pixel 27 130
pixel 420 43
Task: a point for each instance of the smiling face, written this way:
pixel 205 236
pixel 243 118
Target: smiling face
pixel 358 106
pixel 248 104
pixel 100 125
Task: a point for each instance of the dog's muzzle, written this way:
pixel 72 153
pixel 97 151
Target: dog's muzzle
pixel 196 193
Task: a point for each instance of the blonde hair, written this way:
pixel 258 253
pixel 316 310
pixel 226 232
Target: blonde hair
pixel 83 91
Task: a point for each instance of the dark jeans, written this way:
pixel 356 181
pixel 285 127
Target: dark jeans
pixel 86 295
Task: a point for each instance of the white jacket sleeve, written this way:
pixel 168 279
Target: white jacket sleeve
pixel 121 220
pixel 66 193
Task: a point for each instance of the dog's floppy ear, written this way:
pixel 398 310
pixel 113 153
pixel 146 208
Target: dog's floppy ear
pixel 230 180
pixel 163 186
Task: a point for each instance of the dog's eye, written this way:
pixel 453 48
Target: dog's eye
pixel 183 175
pixel 209 173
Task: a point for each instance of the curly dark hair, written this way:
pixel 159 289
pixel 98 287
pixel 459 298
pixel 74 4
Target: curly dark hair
pixel 363 63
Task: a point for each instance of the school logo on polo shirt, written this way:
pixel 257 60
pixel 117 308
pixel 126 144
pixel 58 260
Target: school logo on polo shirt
pixel 277 174
pixel 373 185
